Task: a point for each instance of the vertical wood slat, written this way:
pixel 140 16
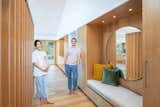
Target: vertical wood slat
pixel 17 19
pixel 21 53
pixel 134 56
pixel 5 26
pixel 0 52
pixel 12 68
pixel 17 31
pixel 24 54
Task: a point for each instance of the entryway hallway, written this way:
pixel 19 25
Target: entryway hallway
pixel 57 83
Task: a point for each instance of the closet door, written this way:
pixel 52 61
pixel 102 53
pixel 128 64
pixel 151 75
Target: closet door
pixel 151 30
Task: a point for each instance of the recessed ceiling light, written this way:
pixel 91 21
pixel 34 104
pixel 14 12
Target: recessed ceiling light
pixel 102 21
pixel 130 9
pixel 114 17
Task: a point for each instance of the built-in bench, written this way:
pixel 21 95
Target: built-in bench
pixel 114 96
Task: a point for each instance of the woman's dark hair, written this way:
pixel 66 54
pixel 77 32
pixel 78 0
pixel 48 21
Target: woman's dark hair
pixel 35 42
pixel 74 39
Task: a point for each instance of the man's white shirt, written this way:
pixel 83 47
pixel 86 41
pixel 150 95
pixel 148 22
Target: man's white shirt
pixel 72 55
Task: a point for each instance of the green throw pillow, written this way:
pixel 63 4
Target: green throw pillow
pixel 111 76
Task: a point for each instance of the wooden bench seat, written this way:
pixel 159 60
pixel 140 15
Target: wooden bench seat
pixel 111 95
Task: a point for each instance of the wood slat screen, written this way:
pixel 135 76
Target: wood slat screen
pixel 16 50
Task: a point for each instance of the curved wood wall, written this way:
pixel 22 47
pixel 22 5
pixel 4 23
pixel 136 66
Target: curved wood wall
pixel 17 44
pixel 108 31
pixel 111 49
pixel 109 37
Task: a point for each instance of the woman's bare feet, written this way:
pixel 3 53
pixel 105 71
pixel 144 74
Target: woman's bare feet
pixel 42 101
pixel 47 102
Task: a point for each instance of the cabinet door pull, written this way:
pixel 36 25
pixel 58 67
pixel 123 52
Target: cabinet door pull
pixel 146 71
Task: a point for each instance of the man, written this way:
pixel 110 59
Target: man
pixel 71 60
pixel 40 71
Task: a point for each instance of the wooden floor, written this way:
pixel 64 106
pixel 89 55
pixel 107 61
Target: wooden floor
pixel 57 92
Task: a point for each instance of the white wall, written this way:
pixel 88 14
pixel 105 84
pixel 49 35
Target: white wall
pixel 79 12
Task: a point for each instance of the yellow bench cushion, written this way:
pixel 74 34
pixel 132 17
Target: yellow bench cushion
pixel 98 68
pixel 98 71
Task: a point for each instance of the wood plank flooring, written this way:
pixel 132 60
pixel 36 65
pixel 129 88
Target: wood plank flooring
pixel 57 83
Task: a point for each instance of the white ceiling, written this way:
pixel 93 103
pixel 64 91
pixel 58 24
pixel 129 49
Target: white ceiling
pixel 55 18
pixel 46 16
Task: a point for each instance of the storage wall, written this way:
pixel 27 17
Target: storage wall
pixel 151 38
pixel 16 50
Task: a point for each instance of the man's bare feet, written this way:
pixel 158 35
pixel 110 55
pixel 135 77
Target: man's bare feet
pixel 75 92
pixel 69 92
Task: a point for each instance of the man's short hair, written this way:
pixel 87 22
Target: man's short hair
pixel 35 42
pixel 74 39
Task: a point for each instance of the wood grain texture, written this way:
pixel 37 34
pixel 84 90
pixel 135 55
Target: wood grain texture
pixel 17 39
pixel 61 47
pixel 110 48
pixel 134 56
pixel 94 50
pixel 0 52
pixel 57 83
pixel 151 37
pixel 120 12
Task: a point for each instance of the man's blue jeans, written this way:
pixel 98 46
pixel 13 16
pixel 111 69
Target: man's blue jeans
pixel 72 75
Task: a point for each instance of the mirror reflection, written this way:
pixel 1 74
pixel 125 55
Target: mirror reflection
pixel 128 44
